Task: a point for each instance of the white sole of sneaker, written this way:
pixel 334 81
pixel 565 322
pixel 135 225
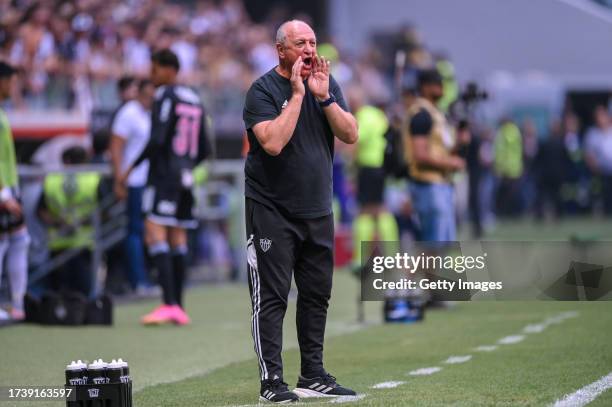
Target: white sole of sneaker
pixel 309 393
pixel 265 400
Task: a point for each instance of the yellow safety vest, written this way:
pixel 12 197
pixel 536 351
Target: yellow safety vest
pixel 373 125
pixel 72 199
pixel 441 143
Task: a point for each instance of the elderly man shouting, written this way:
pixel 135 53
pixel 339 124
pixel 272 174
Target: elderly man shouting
pixel 292 114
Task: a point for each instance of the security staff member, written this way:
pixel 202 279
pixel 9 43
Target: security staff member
pixel 67 205
pixel 431 152
pixel 374 221
pixel 292 114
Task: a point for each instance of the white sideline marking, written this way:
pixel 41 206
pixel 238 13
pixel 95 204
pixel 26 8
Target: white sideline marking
pixel 486 348
pixel 453 360
pixel 561 317
pixel 534 328
pixel 387 385
pixel 425 371
pixel 557 319
pixel 570 314
pixel 512 339
pixel 348 399
pixel 586 394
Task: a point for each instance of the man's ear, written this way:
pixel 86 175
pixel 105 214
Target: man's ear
pixel 280 49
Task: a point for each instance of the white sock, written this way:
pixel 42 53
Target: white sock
pixel 17 265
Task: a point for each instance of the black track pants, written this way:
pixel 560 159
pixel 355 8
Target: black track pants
pixel 278 246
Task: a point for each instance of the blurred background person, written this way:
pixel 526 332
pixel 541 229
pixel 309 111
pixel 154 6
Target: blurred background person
pixel 431 152
pixel 67 206
pixel 34 50
pixel 178 142
pixel 14 237
pixel 598 153
pixel 486 183
pixel 130 133
pixel 528 182
pixel 576 185
pixel 551 166
pixel 128 89
pixel 374 221
pixel 508 168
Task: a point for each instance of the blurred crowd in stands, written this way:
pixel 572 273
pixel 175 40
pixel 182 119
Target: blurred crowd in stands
pixel 73 52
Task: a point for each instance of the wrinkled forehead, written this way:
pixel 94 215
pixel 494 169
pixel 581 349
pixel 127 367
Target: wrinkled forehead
pixel 300 31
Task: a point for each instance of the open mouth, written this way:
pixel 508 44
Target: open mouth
pixel 307 62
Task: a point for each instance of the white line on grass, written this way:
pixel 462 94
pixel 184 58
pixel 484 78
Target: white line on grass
pixel 570 314
pixel 486 348
pixel 512 339
pixel 508 340
pixel 557 319
pixel 387 385
pixel 453 360
pixel 534 328
pixel 537 328
pixel 348 399
pixel 586 394
pixel 425 371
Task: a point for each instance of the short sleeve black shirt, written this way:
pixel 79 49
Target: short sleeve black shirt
pixel 421 124
pixel 299 179
pixel 179 139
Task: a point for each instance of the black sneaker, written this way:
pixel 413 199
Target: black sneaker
pixel 276 391
pixel 322 386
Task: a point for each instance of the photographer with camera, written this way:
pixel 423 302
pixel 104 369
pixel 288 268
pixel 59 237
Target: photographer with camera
pixel 432 151
pixel 478 153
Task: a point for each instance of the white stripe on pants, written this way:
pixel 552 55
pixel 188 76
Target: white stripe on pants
pixel 252 265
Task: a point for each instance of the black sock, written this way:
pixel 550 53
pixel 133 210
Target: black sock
pixel 311 374
pixel 179 263
pixel 162 263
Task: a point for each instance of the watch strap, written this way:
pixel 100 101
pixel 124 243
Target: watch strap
pixel 328 101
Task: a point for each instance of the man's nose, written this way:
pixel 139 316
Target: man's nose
pixel 308 49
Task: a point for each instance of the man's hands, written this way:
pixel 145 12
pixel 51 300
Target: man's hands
pixel 464 137
pixel 422 156
pixel 120 184
pixel 12 206
pixel 343 124
pixel 318 81
pixel 273 135
pixel 297 85
pixel 456 163
pixel 119 189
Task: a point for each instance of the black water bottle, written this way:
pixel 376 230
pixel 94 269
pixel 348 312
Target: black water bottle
pixel 114 372
pixel 76 373
pixel 96 372
pixel 125 377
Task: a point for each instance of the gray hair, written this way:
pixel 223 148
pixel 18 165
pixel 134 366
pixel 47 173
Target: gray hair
pixel 281 33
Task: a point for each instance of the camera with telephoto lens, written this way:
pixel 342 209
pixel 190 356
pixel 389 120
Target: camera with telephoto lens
pixel 473 93
pixel 460 111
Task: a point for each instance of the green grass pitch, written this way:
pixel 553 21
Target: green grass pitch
pixel 212 363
